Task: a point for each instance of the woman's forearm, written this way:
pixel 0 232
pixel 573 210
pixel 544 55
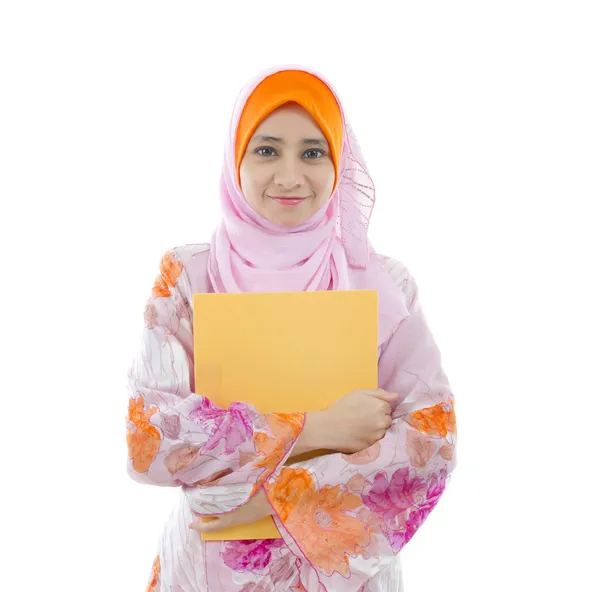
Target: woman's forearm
pixel 314 435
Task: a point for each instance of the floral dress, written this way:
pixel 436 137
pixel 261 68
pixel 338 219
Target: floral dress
pixel 343 518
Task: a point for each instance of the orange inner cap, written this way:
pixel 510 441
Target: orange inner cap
pixel 292 86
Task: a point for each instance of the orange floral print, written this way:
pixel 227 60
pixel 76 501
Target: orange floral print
pixel 364 457
pixel 435 421
pixel 420 448
pixel 318 518
pixel 170 270
pixel 447 451
pixel 288 490
pixel 284 428
pixel 356 483
pixel 372 521
pixel 143 439
pixel 153 582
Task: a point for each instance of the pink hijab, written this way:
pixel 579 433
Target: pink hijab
pixel 329 251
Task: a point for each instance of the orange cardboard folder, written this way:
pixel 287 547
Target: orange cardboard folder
pixel 283 352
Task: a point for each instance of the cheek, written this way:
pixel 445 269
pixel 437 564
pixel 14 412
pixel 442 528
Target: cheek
pixel 252 185
pixel 325 182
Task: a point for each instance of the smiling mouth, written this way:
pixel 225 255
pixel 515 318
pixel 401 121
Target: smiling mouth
pixel 288 201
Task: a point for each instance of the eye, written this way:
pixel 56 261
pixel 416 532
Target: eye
pixel 316 151
pixel 258 150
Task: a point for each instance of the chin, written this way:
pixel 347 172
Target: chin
pixel 288 222
pixel 286 219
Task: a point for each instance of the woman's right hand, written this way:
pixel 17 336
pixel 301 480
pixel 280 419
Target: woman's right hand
pixel 358 420
pixel 351 424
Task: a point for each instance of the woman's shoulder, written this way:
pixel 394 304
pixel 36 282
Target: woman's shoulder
pixel 192 254
pixel 395 268
pixel 399 273
pixel 193 261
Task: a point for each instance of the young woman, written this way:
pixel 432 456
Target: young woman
pixel 296 200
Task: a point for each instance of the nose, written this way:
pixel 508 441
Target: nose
pixel 288 174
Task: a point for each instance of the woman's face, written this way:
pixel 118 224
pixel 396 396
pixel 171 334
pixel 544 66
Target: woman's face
pixel 287 173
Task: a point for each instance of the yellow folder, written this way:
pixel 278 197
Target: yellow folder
pixel 283 352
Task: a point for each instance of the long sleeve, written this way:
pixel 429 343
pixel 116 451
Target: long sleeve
pixel 348 515
pixel 176 437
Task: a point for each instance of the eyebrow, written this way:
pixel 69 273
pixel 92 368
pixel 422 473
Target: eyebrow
pixel 305 141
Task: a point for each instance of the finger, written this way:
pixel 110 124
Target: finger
pixel 385 407
pixel 382 395
pixel 384 422
pixel 207 524
pixel 198 526
pixel 201 527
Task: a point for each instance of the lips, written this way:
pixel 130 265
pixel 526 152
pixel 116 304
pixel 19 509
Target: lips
pixel 288 201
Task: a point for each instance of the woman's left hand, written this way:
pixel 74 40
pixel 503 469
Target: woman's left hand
pixel 258 507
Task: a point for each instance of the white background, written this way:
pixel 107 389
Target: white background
pixel 480 125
